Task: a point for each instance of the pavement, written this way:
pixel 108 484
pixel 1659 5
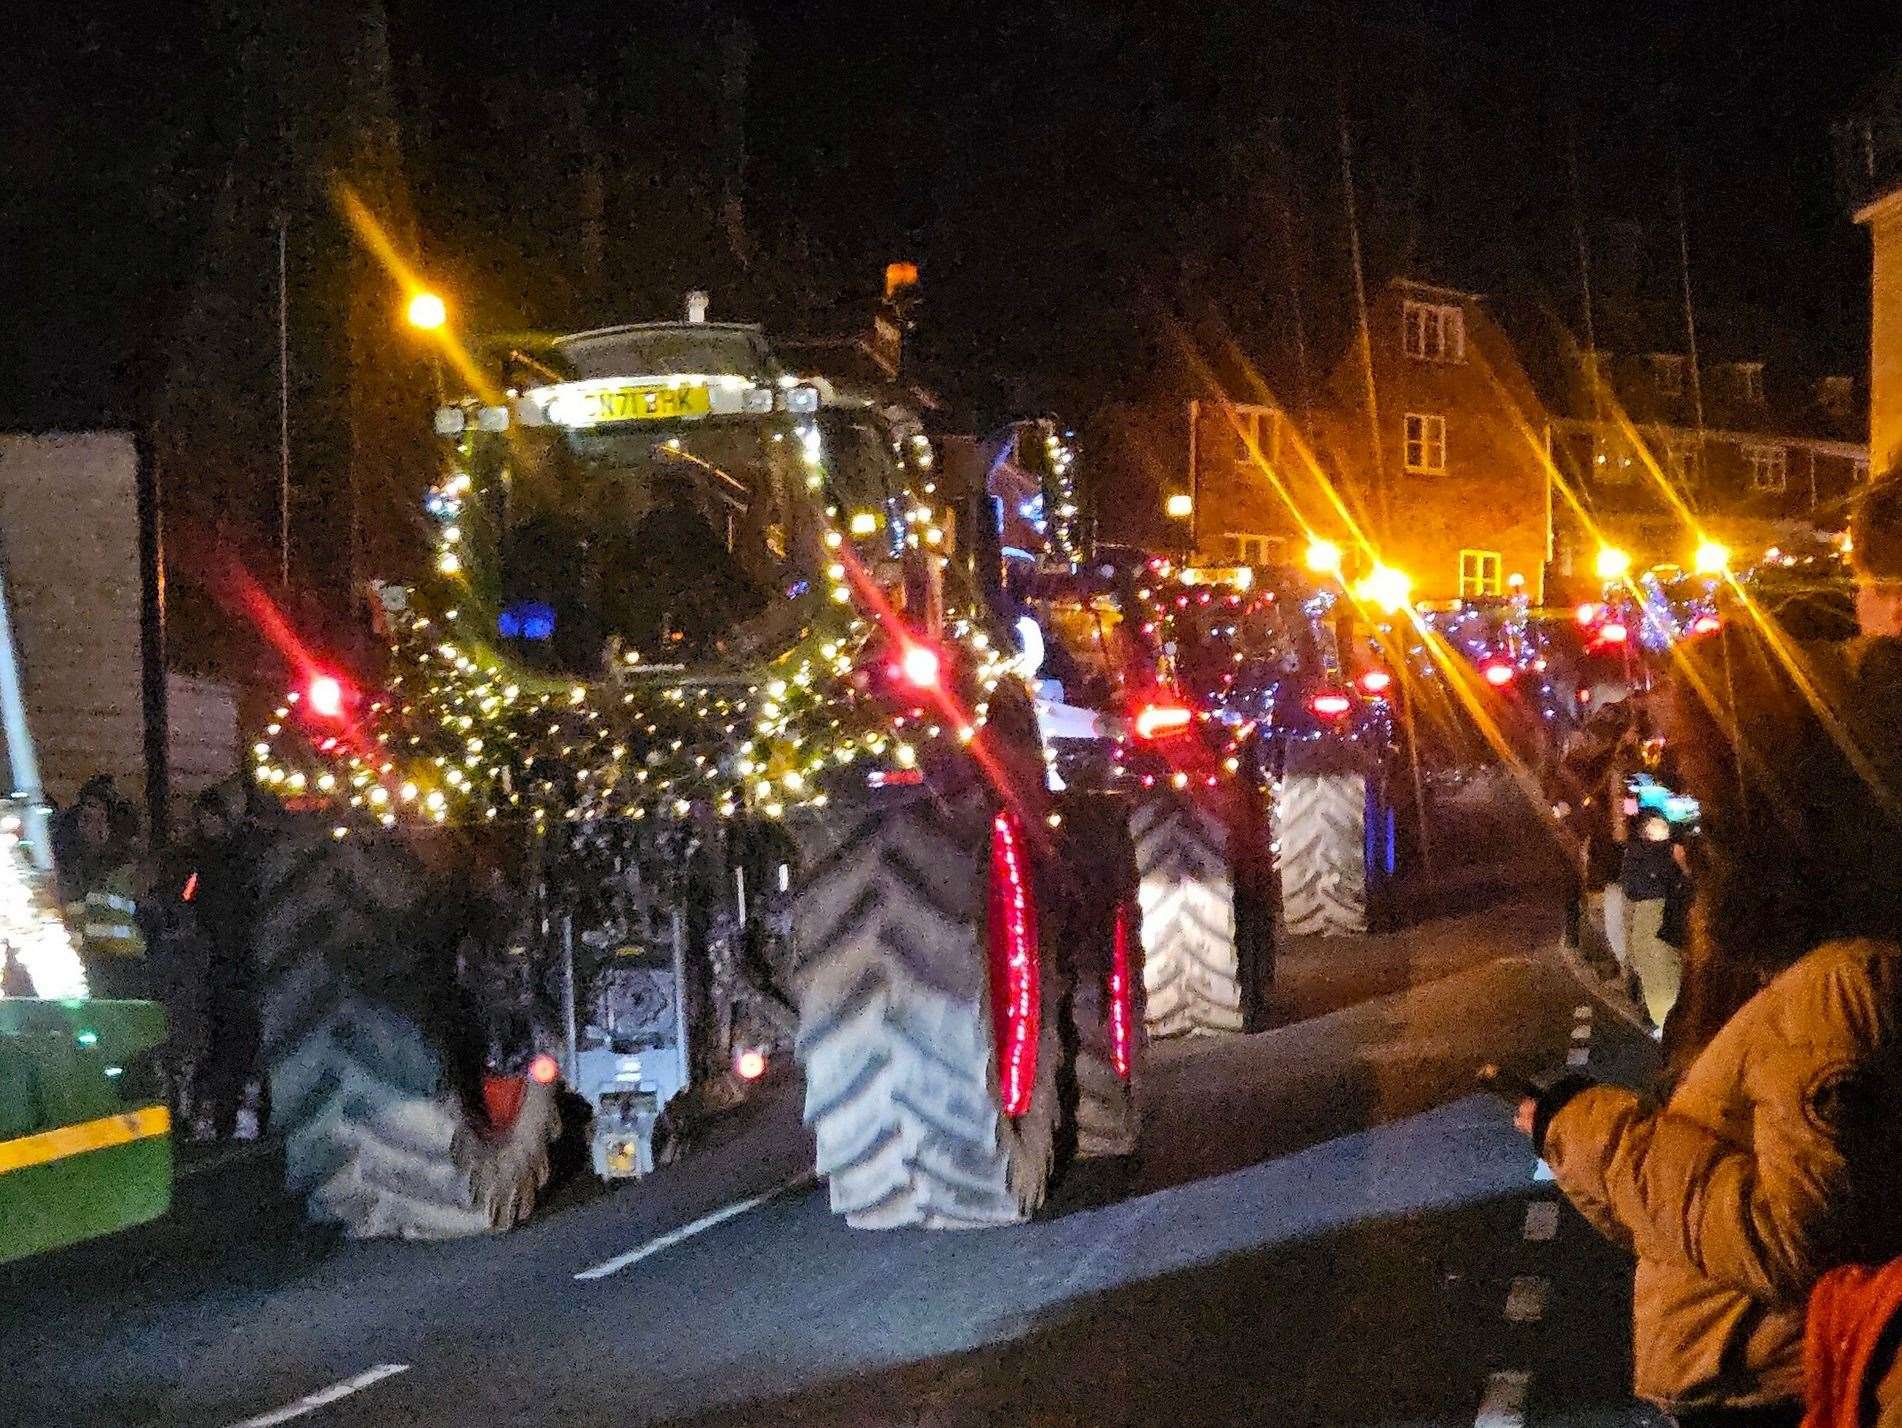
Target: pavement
pixel 1328 1225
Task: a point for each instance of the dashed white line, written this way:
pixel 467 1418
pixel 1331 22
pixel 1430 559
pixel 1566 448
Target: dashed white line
pixel 1583 1011
pixel 1525 1301
pixel 1582 1032
pixel 1542 1219
pixel 1504 1404
pixel 1578 1056
pixel 687 1232
pixel 311 1402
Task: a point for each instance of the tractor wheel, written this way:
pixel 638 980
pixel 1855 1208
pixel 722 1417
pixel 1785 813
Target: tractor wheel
pixel 929 1017
pixel 1192 972
pixel 1322 821
pixel 1103 936
pixel 385 1128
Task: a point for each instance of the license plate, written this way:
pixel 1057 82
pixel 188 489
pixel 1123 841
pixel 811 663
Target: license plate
pixel 648 403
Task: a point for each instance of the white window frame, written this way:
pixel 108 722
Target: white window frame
pixel 1667 374
pixel 1249 548
pixel 1423 443
pixel 1488 575
pixel 1433 331
pixel 1260 426
pixel 1769 467
pixel 1749 382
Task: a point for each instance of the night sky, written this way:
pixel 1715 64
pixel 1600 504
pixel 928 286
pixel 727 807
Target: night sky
pixel 1084 185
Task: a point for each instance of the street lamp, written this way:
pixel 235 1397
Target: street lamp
pixel 1712 558
pixel 426 311
pixel 1613 563
pixel 1179 506
pixel 1324 557
pixel 1385 588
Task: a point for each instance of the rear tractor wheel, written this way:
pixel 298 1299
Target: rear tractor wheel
pixel 929 1016
pixel 389 1130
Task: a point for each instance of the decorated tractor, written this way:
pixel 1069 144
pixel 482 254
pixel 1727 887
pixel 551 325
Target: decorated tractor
pixel 1176 790
pixel 697 745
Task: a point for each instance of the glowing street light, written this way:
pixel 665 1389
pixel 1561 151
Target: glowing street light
pixel 1324 557
pixel 426 311
pixel 1613 563
pixel 1179 507
pixel 1385 588
pixel 1712 558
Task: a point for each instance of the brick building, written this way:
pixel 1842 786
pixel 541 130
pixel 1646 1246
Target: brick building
pixel 1758 458
pixel 1443 470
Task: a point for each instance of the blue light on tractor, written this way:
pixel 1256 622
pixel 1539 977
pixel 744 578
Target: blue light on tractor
pixel 526 620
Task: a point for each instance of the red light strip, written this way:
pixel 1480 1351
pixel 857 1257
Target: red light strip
pixel 1014 991
pixel 1119 1008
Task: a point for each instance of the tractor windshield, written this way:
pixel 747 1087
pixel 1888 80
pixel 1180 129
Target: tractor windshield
pixel 656 502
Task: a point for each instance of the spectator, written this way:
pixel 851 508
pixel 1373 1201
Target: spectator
pixel 1650 869
pixel 1772 1160
pixel 99 887
pixel 221 883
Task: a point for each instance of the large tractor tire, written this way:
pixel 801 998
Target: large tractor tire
pixel 1193 975
pixel 1103 937
pixel 930 1016
pixel 386 1122
pixel 1335 835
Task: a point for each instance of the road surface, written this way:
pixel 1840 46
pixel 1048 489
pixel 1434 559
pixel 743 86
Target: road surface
pixel 1328 1226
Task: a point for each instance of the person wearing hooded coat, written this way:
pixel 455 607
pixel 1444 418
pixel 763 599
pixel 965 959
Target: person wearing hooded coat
pixel 1770 1157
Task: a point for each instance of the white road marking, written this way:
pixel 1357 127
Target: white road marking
pixel 1578 1056
pixel 1582 1032
pixel 1583 1011
pixel 687 1232
pixel 1504 1405
pixel 1542 1219
pixel 1541 1171
pixel 1525 1301
pixel 311 1402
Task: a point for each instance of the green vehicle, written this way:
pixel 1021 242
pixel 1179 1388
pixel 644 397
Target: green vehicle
pixel 85 1133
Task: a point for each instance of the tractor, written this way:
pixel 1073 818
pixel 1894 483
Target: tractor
pixel 699 742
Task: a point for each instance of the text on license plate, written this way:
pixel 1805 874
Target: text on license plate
pixel 648 403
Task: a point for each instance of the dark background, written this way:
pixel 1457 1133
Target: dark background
pixel 1093 191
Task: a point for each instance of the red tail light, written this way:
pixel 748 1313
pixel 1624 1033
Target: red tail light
pixel 1375 681
pixel 1613 633
pixel 325 693
pixel 1706 625
pixel 919 665
pixel 1497 672
pixel 1159 721
pixel 1330 704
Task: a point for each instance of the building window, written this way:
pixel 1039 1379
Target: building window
pixel 1480 573
pixel 1256 431
pixel 1241 548
pixel 1426 443
pixel 1667 374
pixel 1433 332
pixel 1750 383
pixel 1680 460
pixel 1769 467
pixel 1859 471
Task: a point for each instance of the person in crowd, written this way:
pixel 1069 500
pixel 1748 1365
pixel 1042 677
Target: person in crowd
pixel 219 888
pixel 1770 1164
pixel 1651 867
pixel 99 886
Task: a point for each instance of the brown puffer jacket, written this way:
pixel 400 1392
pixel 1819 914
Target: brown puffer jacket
pixel 1777 1157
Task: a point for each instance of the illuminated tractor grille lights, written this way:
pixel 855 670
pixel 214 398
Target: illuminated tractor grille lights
pixel 1012 932
pixel 681 751
pixel 1120 1010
